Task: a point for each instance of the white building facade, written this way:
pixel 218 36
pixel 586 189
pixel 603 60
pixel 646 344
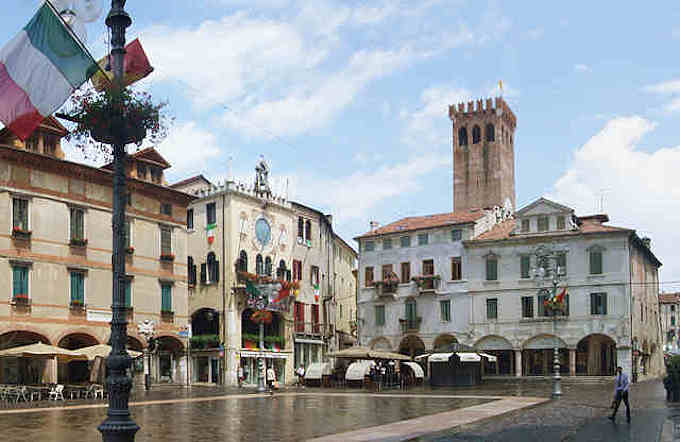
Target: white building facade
pixel 669 312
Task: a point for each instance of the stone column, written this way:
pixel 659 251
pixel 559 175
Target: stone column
pixel 52 368
pixel 624 359
pixel 572 362
pixel 518 363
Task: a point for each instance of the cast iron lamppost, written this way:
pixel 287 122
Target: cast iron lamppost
pixel 260 362
pixel 147 328
pixel 118 425
pixel 548 268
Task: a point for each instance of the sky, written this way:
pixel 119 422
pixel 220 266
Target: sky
pixel 347 100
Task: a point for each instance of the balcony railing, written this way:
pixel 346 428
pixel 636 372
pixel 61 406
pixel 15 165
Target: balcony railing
pixel 426 283
pixel 410 325
pixel 308 328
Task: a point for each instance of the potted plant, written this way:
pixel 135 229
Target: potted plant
pixel 78 242
pixel 18 232
pixel 167 257
pixel 130 250
pixel 21 298
pixel 110 116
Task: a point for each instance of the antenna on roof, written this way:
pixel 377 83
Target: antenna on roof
pixel 602 194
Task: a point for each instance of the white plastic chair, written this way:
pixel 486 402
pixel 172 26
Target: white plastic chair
pixel 57 393
pixel 98 390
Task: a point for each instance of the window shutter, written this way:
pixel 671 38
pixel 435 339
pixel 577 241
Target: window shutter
pixel 593 305
pixel 128 293
pixel 541 306
pixel 603 299
pixel 16 281
pixel 166 295
pixel 203 274
pixel 217 271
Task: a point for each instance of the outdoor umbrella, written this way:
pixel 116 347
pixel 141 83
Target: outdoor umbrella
pixel 40 350
pixel 367 353
pixel 103 351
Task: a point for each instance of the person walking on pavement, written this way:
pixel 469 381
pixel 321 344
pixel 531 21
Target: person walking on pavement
pixel 622 386
pixel 300 373
pixel 271 379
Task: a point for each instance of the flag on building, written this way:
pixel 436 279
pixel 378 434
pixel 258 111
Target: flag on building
pixel 560 297
pixel 316 292
pixel 210 229
pixel 39 69
pixel 135 67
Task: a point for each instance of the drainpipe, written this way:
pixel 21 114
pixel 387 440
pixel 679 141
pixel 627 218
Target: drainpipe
pixel 224 295
pixel 630 310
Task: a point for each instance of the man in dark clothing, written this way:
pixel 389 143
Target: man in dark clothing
pixel 622 386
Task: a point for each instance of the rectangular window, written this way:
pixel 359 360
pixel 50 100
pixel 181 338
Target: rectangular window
pixel 128 293
pixel 297 270
pixel 20 282
pixel 423 239
pixel 211 213
pixel 410 311
pixel 301 227
pixel 166 240
pixel 492 308
pixel 166 209
pixel 562 263
pixel 673 320
pixel 190 219
pixel 77 288
pixel 541 310
pixel 456 269
pixel 368 278
pixel 369 246
pixel 456 235
pixel 428 267
pixel 598 303
pixel 543 223
pixel 308 230
pixel 526 225
pixel 491 269
pixel 379 315
pixel 405 241
pixel 595 262
pixel 166 297
pixel 405 272
pixel 77 223
pixel 20 214
pixel 314 275
pixel 561 223
pixel 387 243
pixel 315 318
pixel 299 317
pixel 524 266
pixel 386 271
pixel 445 310
pixel 527 306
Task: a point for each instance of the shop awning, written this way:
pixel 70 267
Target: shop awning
pixel 40 350
pixel 357 370
pixel 308 341
pixel 103 351
pixel 417 369
pixel 264 354
pixel 421 357
pixel 490 358
pixel 317 369
pixel 469 357
pixel 440 357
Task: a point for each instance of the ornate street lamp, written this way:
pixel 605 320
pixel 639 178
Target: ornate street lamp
pixel 547 268
pixel 147 329
pixel 118 426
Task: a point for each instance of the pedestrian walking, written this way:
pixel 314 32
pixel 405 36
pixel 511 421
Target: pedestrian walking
pixel 622 386
pixel 240 376
pixel 271 379
pixel 300 373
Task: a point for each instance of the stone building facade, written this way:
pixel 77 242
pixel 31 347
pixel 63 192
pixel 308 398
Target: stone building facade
pixel 55 257
pixel 483 154
pixel 234 227
pixel 345 290
pixel 669 313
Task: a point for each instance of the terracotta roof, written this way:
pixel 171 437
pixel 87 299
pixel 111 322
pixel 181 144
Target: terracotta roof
pixel 190 180
pixel 426 222
pixel 148 155
pixel 669 298
pixel 588 224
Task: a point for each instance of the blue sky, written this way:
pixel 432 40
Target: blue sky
pixel 348 99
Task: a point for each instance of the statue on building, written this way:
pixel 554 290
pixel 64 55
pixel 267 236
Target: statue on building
pixel 262 178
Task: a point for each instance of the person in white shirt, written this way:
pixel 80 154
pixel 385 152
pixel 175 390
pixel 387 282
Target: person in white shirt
pixel 622 387
pixel 271 378
pixel 300 373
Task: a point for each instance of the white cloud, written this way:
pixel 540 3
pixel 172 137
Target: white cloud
pixel 667 88
pixel 642 188
pixel 375 185
pixel 189 149
pixel 581 68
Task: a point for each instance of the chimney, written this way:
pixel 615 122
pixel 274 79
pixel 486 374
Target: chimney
pixel 647 241
pixel 374 225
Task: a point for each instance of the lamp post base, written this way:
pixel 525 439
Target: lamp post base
pixel 260 378
pixel 557 389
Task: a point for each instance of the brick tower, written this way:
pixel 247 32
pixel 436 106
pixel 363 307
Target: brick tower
pixel 483 154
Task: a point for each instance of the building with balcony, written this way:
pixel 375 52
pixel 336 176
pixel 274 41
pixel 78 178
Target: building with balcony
pixel 669 312
pixel 237 228
pixel 413 291
pixel 610 278
pixel 55 257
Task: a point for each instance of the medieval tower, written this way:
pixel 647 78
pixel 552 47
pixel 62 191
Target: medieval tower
pixel 483 154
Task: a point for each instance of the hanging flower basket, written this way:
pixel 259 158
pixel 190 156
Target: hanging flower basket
pixel 109 117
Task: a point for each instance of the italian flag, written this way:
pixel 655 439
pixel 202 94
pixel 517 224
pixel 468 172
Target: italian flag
pixel 316 292
pixel 39 69
pixel 210 229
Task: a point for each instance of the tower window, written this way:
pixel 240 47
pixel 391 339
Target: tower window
pixel 462 137
pixel 476 134
pixel 490 132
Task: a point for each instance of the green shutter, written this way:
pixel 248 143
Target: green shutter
pixel 128 293
pixel 16 281
pixel 77 287
pixel 603 301
pixel 525 263
pixel 541 306
pixel 166 298
pixel 595 262
pixel 410 311
pixel 491 269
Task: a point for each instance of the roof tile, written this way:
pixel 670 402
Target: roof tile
pixel 426 222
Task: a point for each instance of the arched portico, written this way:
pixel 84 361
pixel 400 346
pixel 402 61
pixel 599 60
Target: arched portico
pixel 596 355
pixel 380 343
pixel 24 370
pixel 75 371
pixel 411 346
pixel 441 342
pixel 168 353
pixel 538 355
pixel 501 348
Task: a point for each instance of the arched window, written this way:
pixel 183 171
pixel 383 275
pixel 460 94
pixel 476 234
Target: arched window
pixel 259 265
pixel 242 262
pixel 268 266
pixel 281 270
pixel 213 268
pixel 462 136
pixel 476 134
pixel 490 132
pixel 308 230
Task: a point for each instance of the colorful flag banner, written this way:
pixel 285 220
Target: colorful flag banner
pixel 135 67
pixel 39 69
pixel 210 229
pixel 316 292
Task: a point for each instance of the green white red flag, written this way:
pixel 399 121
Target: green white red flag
pixel 39 69
pixel 135 67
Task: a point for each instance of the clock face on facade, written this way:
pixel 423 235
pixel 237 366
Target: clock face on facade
pixel 263 231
